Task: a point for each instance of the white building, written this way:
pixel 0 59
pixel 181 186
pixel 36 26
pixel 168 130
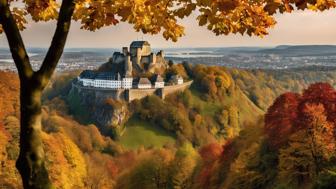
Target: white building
pixel 110 84
pixel 87 78
pixel 144 83
pixel 107 80
pixel 87 82
pixel 127 82
pixel 176 79
pixel 158 82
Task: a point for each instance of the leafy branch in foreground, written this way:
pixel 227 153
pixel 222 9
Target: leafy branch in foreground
pixel 252 17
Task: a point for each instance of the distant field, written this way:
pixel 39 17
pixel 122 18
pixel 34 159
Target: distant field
pixel 139 133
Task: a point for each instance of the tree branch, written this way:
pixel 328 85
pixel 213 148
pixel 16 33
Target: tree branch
pixel 15 41
pixel 58 42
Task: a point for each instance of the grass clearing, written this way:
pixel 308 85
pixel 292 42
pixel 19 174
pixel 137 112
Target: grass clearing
pixel 140 133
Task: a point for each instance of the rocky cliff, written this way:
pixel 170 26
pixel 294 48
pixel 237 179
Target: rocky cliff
pixel 109 115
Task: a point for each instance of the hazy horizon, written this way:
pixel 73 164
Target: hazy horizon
pixel 298 28
pixel 186 47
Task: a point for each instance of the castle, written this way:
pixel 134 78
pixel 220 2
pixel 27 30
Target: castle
pixel 119 82
pixel 139 56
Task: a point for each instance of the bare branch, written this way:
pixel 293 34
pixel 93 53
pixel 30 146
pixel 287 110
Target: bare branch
pixel 15 41
pixel 57 45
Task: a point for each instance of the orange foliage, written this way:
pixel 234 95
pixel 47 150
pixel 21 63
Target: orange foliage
pixel 9 96
pixel 214 81
pixel 319 128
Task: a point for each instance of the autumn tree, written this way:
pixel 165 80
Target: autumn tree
pixel 148 16
pixel 309 149
pixel 183 167
pixel 280 117
pixel 302 129
pixel 319 132
pixel 151 171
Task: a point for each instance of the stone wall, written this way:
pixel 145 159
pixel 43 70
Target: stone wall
pixel 101 93
pixel 131 94
pixel 175 88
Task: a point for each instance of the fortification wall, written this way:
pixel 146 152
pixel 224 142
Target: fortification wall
pixel 132 94
pixel 114 94
pixel 175 88
pixel 101 93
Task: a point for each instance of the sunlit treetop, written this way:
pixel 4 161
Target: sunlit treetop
pixel 252 17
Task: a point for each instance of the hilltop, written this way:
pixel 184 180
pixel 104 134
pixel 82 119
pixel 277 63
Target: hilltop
pixel 208 96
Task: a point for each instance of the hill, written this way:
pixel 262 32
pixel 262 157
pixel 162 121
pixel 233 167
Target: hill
pixel 263 86
pixel 302 50
pixel 214 108
pixel 211 136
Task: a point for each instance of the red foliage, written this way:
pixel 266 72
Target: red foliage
pixel 204 177
pixel 288 113
pixel 280 117
pixel 214 155
pixel 321 93
pixel 112 168
pixel 211 152
pixel 229 151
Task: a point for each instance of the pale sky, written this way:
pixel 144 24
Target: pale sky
pixel 299 28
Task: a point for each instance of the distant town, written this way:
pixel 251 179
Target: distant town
pixel 280 57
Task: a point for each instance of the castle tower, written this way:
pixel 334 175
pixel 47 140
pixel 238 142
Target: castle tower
pixel 128 66
pixel 152 58
pixel 138 56
pixel 161 53
pixel 125 50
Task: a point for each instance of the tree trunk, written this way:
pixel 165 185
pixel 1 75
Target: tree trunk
pixel 31 161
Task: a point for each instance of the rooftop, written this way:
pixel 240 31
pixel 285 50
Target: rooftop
pixel 158 78
pixel 139 43
pixel 107 76
pixel 88 74
pixel 144 81
pixel 176 77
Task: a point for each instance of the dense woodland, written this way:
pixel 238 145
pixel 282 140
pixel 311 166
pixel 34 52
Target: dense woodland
pixel 232 129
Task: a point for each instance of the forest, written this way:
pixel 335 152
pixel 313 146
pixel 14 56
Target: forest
pixel 232 129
